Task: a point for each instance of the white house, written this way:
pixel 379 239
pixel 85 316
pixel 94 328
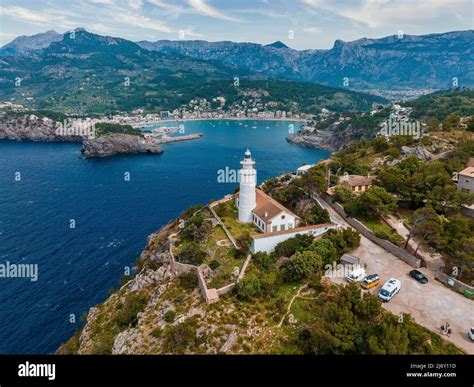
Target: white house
pixel 275 221
pixel 466 180
pixel 256 207
pixel 268 241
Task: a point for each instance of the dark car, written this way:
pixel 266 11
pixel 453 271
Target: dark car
pixel 419 276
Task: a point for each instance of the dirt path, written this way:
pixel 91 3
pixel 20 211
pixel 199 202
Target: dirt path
pixel 291 303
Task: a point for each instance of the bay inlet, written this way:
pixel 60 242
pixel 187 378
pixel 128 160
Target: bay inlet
pixel 112 216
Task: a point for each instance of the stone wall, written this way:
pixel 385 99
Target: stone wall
pixel 221 223
pixel 459 286
pixel 385 244
pixel 225 289
pixel 244 267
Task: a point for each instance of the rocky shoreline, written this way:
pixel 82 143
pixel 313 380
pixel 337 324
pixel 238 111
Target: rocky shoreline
pixel 28 127
pixel 118 144
pixel 310 141
pixel 154 288
pixel 31 128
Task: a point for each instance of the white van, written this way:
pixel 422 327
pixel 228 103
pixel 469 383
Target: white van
pixel 389 289
pixel 357 275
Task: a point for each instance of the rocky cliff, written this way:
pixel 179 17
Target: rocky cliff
pixel 32 128
pixel 161 311
pixel 332 138
pixel 391 62
pixel 116 144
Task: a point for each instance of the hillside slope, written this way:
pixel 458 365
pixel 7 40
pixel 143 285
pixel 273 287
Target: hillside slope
pixel 427 61
pixel 89 73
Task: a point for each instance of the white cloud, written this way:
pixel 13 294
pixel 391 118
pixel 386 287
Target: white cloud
pixel 377 13
pixel 25 14
pixel 50 18
pixel 143 22
pixel 203 8
pixel 166 5
pixel 312 30
pixel 109 2
pixel 135 4
pixel 189 33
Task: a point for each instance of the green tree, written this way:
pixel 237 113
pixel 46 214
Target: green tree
pixel 374 203
pixel 452 122
pixel 264 261
pixel 380 144
pixel 191 253
pixel 428 228
pixel 421 217
pixel 244 241
pixel 325 248
pixel 197 228
pixel 302 265
pixel 248 288
pixel 433 124
pixel 315 215
pixel 470 124
pixel 343 193
pixel 314 180
pixel 292 245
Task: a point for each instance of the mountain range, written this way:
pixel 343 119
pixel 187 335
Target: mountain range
pixel 86 72
pixel 89 73
pixel 412 62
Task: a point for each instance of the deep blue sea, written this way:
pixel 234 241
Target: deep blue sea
pixel 113 217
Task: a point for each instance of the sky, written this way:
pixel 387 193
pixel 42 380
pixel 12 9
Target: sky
pixel 301 24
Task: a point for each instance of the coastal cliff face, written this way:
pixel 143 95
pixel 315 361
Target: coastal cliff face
pixel 28 127
pixel 118 144
pixel 329 139
pixel 161 311
pixel 31 128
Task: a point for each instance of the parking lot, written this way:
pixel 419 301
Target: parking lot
pixel 431 304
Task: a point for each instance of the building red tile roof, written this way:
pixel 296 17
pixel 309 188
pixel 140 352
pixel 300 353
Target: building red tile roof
pixel 267 207
pixel 355 180
pixel 469 171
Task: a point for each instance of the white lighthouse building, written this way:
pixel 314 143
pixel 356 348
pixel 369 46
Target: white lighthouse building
pixel 276 222
pixel 248 181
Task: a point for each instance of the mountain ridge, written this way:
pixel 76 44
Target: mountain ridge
pixel 411 62
pixel 86 73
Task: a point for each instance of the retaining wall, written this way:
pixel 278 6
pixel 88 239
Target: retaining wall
pixel 459 286
pixel 385 244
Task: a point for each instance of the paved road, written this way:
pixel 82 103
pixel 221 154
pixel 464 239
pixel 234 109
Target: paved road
pixel 431 305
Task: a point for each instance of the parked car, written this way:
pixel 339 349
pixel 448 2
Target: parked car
pixel 370 281
pixel 471 334
pixel 419 276
pixel 389 289
pixel 357 275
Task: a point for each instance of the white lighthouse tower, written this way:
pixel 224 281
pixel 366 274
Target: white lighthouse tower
pixel 248 182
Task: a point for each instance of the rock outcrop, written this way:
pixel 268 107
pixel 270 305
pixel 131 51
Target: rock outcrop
pixel 329 139
pixel 118 144
pixel 29 127
pixel 418 152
